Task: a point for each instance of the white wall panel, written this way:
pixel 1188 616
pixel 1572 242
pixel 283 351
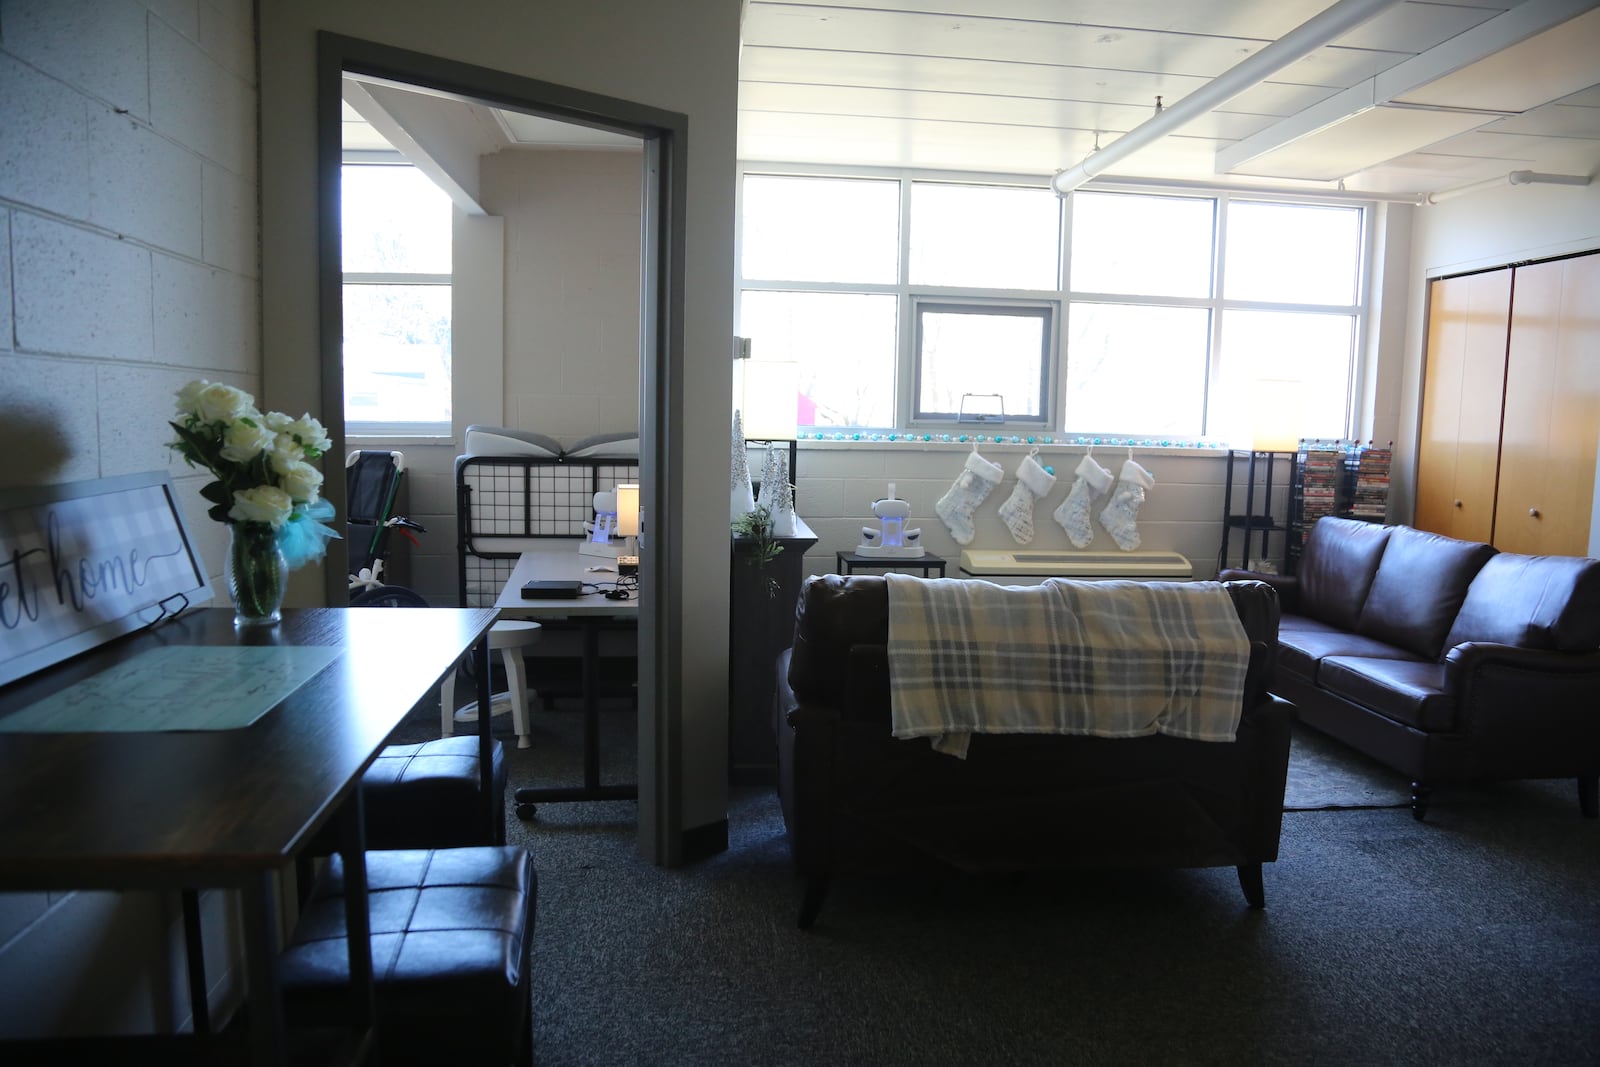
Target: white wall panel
pixel 43 141
pixel 205 318
pixel 142 185
pixel 97 47
pixel 78 292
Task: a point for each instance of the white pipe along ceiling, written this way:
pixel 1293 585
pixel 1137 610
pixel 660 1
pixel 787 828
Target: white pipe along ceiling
pixel 1298 43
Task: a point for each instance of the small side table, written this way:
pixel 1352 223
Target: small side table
pixel 847 562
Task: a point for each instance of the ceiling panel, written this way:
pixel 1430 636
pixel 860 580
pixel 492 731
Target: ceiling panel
pixel 897 143
pixel 971 107
pixel 1405 27
pixel 1552 120
pixel 1364 140
pixel 934 74
pixel 1115 47
pixel 1547 66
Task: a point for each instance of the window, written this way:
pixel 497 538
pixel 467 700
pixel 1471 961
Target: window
pixel 396 261
pixel 915 303
pixel 967 351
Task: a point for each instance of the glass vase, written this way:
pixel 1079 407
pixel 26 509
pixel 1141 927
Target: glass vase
pixel 256 574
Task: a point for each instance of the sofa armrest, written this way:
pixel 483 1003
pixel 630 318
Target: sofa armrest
pixel 1287 586
pixel 1472 656
pixel 1529 713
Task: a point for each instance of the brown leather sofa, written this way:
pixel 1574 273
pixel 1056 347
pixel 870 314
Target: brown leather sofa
pixel 1446 659
pixel 856 800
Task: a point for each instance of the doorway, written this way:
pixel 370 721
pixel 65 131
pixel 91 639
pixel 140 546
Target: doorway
pixel 660 301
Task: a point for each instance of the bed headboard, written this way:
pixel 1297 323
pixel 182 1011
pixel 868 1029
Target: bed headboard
pixel 503 503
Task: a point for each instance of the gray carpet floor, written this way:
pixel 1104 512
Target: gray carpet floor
pixel 1471 938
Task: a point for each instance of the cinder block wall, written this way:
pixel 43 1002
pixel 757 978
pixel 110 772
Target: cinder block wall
pixel 128 265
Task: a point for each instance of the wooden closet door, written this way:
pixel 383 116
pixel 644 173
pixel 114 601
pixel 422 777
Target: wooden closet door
pixel 1552 410
pixel 1462 390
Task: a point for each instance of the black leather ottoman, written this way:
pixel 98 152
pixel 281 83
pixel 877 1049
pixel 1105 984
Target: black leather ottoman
pixel 452 940
pixel 429 796
pixel 425 796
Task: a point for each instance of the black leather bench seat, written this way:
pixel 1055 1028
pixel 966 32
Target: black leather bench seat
pixel 452 934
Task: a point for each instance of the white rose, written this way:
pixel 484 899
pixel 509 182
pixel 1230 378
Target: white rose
pixel 264 503
pixel 301 481
pixel 276 421
pixel 244 439
pixel 215 402
pixel 308 432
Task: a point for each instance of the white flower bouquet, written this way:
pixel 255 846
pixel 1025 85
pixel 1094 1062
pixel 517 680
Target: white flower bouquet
pixel 266 488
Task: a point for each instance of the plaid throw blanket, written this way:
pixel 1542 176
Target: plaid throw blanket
pixel 1112 659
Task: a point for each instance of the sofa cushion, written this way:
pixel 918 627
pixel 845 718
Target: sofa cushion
pixel 1336 569
pixel 1406 690
pixel 1303 643
pixel 1420 585
pixel 1543 602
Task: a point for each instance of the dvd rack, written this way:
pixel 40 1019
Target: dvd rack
pixel 1342 478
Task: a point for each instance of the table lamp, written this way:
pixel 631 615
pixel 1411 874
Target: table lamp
pixel 628 526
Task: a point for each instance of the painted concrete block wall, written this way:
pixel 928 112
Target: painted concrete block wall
pixel 128 266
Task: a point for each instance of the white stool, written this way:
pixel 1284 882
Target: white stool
pixel 510 637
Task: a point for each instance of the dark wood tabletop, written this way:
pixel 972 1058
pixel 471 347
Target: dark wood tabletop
pixel 152 809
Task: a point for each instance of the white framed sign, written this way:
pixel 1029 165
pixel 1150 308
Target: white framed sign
pixel 85 562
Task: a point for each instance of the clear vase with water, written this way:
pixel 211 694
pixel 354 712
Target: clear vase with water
pixel 256 572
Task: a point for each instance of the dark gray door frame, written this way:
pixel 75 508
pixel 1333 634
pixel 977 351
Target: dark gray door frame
pixel 662 269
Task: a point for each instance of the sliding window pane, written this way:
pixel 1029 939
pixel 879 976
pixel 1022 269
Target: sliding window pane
pixel 397 354
pixel 1312 350
pixel 982 236
pixel 820 229
pixel 844 344
pixel 394 220
pixel 968 354
pixel 1293 253
pixel 1134 244
pixel 1136 369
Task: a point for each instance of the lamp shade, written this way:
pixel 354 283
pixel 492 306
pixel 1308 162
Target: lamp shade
pixel 770 400
pixel 628 510
pixel 1275 415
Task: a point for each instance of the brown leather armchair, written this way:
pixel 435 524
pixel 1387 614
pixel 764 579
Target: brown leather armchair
pixel 856 800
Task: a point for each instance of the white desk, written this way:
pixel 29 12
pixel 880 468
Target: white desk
pixel 594 612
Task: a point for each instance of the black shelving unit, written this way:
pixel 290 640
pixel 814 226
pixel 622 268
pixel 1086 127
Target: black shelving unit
pixel 1261 474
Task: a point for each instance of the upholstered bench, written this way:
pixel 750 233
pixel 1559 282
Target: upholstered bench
pixel 430 796
pixel 426 795
pixel 452 938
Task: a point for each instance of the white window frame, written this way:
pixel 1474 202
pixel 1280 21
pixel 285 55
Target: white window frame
pixel 434 428
pixel 1060 300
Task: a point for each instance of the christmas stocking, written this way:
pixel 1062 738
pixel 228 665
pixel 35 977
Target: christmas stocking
pixel 1091 480
pixel 975 482
pixel 1032 481
pixel 1118 516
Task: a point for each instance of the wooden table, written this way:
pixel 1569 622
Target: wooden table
pixel 227 808
pixel 593 612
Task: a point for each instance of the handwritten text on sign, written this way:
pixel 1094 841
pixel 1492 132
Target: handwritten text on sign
pixel 67 566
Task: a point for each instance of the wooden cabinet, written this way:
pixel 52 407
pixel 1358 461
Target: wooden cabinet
pixel 1511 407
pixel 1458 455
pixel 1552 410
pixel 760 625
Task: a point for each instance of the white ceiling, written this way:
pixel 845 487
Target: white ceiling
pixel 1422 98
